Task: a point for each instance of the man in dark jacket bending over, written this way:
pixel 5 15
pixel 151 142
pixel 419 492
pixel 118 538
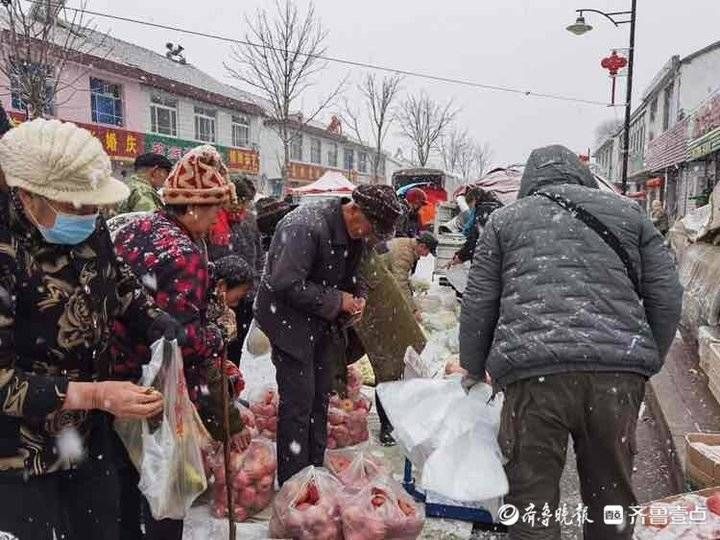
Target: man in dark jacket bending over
pixel 571 332
pixel 308 292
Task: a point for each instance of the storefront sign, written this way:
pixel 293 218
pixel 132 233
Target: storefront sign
pixel 236 159
pixel 118 143
pixel 302 172
pixel 705 145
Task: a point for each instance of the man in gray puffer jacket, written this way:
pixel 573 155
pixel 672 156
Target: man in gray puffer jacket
pixel 552 314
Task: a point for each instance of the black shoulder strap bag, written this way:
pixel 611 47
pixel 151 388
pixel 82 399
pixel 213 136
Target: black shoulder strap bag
pixel 600 228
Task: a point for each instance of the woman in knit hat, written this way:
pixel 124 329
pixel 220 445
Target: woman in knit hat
pixel 166 250
pixel 61 288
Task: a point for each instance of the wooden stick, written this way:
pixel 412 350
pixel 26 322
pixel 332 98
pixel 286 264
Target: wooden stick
pixel 226 450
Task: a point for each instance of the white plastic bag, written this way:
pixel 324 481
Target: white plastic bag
pixel 168 457
pixel 258 372
pixel 451 435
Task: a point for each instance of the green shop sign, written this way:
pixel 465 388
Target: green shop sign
pixel 235 158
pixel 705 145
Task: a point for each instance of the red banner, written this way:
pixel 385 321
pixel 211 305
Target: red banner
pixel 118 143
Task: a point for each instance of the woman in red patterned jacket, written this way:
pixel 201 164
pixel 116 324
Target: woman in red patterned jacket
pixel 166 250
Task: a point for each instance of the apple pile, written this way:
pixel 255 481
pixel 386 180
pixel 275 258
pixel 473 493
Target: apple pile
pixel 266 414
pixel 307 507
pixel 252 478
pixel 355 468
pixel 348 421
pixel 382 510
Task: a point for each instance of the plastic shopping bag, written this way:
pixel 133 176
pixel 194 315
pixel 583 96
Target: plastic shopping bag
pixel 382 510
pixel 307 507
pixel 356 466
pixel 252 479
pixel 169 456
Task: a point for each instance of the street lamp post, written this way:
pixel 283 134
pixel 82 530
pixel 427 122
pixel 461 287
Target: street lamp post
pixel 579 28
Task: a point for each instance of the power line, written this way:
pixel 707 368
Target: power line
pixel 344 61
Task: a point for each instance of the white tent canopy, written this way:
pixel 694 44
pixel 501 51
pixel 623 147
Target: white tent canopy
pixel 332 183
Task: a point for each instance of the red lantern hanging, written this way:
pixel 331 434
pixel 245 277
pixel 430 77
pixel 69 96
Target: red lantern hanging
pixel 613 64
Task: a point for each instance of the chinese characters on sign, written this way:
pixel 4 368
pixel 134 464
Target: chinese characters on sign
pixel 118 143
pixel 309 173
pixel 236 159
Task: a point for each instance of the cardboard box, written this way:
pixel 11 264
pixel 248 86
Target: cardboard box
pixel 701 470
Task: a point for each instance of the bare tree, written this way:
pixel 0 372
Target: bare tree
pixel 464 156
pixel 378 99
pixel 423 122
pixel 283 60
pixel 452 146
pixel 608 128
pixel 482 157
pixel 36 46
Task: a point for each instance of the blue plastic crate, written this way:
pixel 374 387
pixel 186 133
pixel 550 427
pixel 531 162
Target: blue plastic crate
pixel 482 518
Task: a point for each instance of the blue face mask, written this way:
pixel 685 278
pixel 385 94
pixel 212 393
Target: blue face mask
pixel 69 229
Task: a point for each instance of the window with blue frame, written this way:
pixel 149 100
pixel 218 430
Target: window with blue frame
pixel 106 102
pixel 28 79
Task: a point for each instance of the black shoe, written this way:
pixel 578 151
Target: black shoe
pixel 386 439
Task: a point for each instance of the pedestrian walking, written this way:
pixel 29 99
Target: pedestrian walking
pixel 151 170
pixel 659 217
pixel 166 251
pixel 309 290
pixel 571 305
pixel 61 288
pixel 410 223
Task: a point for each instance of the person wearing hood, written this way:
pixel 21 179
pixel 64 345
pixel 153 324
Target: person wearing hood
pixel 659 217
pixel 61 288
pixel 571 305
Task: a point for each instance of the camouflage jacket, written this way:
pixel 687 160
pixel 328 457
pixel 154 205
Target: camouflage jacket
pixel 143 197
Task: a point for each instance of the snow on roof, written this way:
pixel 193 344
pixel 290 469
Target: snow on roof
pixel 129 54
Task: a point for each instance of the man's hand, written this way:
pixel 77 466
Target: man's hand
pixel 348 304
pixel 418 315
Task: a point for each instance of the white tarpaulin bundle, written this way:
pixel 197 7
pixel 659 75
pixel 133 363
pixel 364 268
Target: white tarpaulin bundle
pixel 451 435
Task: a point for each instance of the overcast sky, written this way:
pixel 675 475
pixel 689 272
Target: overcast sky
pixel 519 43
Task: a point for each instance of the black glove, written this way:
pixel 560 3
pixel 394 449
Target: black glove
pixel 166 326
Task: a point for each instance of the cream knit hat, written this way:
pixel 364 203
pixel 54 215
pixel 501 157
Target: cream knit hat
pixel 59 161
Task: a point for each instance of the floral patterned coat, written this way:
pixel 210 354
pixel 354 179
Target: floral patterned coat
pixel 174 269
pixel 57 306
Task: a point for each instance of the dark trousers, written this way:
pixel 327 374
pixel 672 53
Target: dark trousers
pixel 599 411
pixel 304 386
pixel 385 424
pixel 243 316
pixel 77 504
pixel 135 510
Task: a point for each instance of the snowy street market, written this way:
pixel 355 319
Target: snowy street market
pixel 316 270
